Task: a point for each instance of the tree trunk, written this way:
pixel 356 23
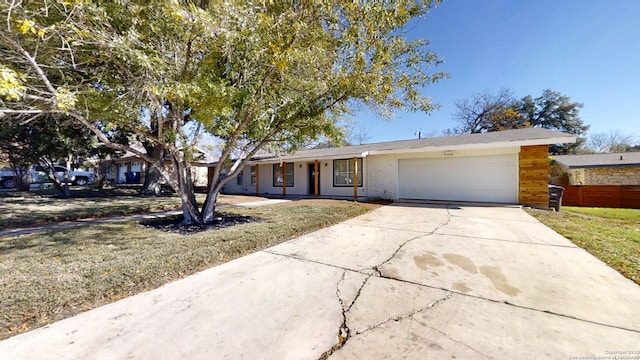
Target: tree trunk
pixel 153 177
pixel 22 182
pixel 185 189
pixel 65 178
pixel 209 207
pixel 102 173
pixel 62 187
pixel 65 186
pixel 152 182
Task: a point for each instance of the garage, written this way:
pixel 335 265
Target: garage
pixel 471 178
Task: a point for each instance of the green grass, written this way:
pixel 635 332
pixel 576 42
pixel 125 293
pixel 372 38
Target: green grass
pixel 50 276
pixel 610 213
pixel 31 208
pixel 612 235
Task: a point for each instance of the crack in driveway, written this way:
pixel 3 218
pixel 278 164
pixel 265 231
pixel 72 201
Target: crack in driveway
pixel 356 307
pixel 344 333
pixel 395 253
pixel 452 339
pixel 407 315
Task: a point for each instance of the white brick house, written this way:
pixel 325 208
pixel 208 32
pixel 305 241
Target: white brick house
pixel 489 167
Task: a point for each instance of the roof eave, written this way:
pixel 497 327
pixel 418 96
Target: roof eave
pixel 500 144
pixel 488 145
pixel 276 160
pixel 575 167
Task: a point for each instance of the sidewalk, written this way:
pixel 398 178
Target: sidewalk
pixel 135 217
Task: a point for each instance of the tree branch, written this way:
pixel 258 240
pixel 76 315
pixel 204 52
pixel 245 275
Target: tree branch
pixel 32 61
pixel 187 58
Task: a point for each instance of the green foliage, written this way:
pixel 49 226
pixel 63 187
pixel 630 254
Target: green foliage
pixel 10 84
pixel 486 112
pixel 555 111
pixel 47 139
pixel 266 75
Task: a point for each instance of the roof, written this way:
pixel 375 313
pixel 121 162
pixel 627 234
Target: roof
pixel 518 137
pixel 129 156
pixel 599 160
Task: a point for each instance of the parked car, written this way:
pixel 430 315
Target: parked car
pixel 8 178
pixel 38 174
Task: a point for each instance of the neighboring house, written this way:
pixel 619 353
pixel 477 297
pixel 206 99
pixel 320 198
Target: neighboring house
pixel 130 169
pixel 599 180
pixel 599 169
pixel 499 167
pixel 118 169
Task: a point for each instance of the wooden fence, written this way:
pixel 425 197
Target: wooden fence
pixel 613 196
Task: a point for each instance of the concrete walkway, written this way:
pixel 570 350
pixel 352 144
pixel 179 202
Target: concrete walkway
pixel 403 281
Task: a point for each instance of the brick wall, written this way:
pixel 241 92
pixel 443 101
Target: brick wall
pixel 605 176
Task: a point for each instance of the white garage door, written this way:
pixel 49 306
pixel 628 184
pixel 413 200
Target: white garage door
pixel 136 166
pixel 473 178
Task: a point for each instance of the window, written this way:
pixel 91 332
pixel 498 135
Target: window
pixel 343 172
pixel 239 178
pixel 277 175
pixel 253 176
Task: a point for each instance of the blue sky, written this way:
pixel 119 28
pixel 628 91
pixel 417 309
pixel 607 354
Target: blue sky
pixel 587 50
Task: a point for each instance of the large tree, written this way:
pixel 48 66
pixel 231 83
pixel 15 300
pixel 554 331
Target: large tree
pixel 552 110
pixel 555 111
pixel 484 112
pixel 613 142
pixel 47 139
pixel 267 75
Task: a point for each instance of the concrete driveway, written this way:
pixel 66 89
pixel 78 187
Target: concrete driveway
pixel 406 281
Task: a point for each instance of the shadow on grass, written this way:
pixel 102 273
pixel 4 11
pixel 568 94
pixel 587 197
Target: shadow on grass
pixel 173 224
pixel 67 240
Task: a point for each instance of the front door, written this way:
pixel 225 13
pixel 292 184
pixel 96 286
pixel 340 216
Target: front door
pixel 312 179
pixel 122 171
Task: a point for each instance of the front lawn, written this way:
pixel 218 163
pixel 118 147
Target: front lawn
pixel 50 276
pixel 632 215
pixel 612 235
pixel 18 209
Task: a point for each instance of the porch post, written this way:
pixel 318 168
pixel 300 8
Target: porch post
pixel 315 178
pixel 284 179
pixel 257 179
pixel 355 178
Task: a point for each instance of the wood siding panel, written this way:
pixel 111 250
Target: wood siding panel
pixel 613 196
pixel 630 196
pixel 572 195
pixel 533 176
